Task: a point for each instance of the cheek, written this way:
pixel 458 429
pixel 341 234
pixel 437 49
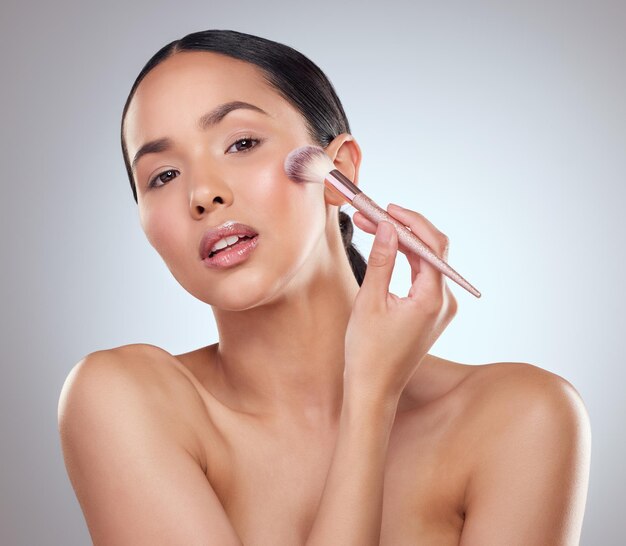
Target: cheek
pixel 291 215
pixel 296 212
pixel 159 225
pixel 267 187
pixel 263 178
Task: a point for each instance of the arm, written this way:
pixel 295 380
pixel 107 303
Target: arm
pixel 350 510
pixel 131 463
pixel 530 484
pixel 386 338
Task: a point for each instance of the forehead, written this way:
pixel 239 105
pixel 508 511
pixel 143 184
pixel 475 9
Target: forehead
pixel 183 87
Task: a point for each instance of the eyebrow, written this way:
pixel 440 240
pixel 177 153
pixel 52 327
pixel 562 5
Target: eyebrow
pixel 210 119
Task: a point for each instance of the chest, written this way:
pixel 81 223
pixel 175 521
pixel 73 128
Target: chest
pixel 271 485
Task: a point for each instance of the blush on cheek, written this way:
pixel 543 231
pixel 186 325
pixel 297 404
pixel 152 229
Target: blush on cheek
pixel 264 186
pixel 265 175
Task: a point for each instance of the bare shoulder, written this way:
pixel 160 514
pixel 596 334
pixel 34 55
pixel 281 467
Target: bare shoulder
pixel 501 398
pixel 520 388
pixel 527 443
pixel 484 400
pixel 135 358
pixel 128 421
pixel 520 413
pixel 139 374
pixel 148 364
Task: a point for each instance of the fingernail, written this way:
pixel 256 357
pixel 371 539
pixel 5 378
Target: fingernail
pixel 396 206
pixel 384 232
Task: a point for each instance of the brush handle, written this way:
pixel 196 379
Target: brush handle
pixel 408 239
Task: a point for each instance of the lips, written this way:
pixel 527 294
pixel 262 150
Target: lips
pixel 226 229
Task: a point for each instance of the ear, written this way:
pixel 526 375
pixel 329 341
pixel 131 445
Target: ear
pixel 346 155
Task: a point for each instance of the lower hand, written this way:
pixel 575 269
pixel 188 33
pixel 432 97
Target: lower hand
pixel 388 336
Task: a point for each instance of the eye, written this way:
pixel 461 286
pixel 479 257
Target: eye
pixel 244 144
pixel 160 177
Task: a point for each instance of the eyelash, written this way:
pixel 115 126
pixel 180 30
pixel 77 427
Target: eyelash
pixel 257 141
pixel 242 139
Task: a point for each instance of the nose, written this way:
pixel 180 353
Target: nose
pixel 208 193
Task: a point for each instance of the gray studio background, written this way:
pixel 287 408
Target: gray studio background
pixel 503 122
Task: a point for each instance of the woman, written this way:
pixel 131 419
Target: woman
pixel 320 389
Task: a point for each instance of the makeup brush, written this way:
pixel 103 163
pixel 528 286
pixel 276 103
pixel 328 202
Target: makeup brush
pixel 312 164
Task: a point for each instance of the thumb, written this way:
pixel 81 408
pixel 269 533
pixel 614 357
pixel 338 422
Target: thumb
pixel 381 261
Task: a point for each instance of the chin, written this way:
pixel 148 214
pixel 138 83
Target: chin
pixel 241 294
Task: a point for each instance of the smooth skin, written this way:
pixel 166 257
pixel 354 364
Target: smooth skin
pixel 319 417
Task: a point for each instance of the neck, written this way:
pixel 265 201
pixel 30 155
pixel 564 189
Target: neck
pixel 283 362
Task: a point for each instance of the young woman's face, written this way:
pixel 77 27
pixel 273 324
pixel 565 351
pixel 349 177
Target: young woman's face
pixel 231 169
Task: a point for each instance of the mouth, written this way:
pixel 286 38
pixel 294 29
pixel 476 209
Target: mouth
pixel 227 244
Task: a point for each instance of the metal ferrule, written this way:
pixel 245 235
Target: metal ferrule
pixel 342 184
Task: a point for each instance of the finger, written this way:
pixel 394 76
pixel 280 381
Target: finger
pixel 420 225
pixel 364 223
pixel 426 279
pixel 380 263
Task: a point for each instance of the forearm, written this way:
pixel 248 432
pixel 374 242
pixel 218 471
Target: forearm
pixel 350 510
